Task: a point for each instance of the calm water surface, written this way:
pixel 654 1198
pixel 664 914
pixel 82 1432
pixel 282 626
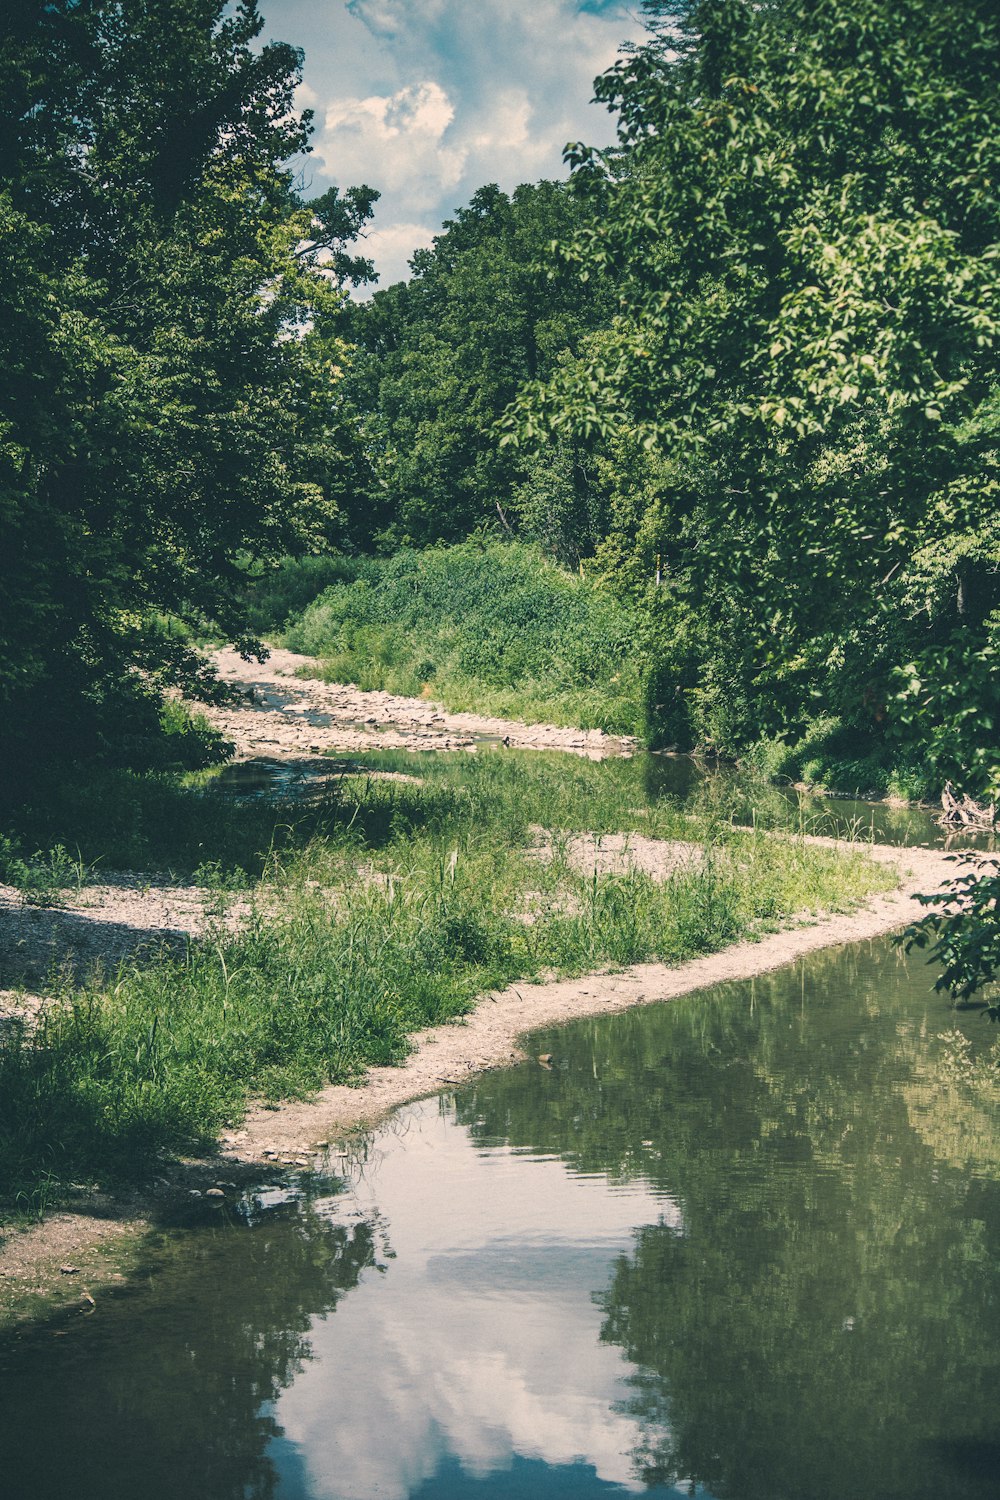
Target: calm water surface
pixel 744 1245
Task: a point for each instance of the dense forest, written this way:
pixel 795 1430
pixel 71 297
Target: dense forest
pixel 739 371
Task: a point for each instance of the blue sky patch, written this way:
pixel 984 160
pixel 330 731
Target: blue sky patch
pixel 427 100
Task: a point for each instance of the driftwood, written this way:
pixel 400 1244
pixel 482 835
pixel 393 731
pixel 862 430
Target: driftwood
pixel 959 810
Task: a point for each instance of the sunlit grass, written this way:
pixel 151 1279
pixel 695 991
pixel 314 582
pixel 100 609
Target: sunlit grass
pixel 389 907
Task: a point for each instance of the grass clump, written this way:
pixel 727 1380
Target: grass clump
pixel 390 908
pixel 488 626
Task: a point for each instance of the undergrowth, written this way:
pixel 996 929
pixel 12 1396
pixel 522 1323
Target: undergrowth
pixel 488 626
pixel 387 907
pixel 833 755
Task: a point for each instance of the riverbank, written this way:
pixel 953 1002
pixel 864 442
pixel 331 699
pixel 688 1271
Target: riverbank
pixel 440 887
pixel 492 1036
pixel 100 1237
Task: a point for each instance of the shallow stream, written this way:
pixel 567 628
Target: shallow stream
pixel 745 1245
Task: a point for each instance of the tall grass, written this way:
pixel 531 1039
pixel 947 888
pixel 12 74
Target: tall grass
pixel 492 627
pixel 404 904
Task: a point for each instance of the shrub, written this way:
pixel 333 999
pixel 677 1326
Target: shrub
pixel 493 625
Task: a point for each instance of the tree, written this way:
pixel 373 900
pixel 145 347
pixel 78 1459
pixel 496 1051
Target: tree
pixel 439 358
pixel 167 421
pixel 801 214
pixel 964 931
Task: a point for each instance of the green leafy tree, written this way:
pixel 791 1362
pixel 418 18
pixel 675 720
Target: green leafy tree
pixel 440 357
pixel 962 930
pixel 166 420
pixel 801 214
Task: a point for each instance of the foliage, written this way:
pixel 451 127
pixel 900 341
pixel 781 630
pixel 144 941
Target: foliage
pixel 801 218
pixel 282 594
pixel 964 932
pixel 827 753
pixel 164 423
pixel 42 876
pixel 440 357
pixel 490 626
pixel 948 700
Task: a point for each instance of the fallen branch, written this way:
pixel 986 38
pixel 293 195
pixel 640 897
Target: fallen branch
pixel 960 811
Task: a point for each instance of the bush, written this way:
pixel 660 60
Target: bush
pixel 280 595
pixel 947 703
pixel 493 626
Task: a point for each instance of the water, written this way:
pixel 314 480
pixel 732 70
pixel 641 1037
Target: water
pixel 743 1245
pixel 677 779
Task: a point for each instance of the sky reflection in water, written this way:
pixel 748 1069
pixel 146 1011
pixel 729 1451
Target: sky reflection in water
pixel 481 1342
pixel 745 1244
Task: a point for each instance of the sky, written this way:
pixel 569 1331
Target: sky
pixel 427 100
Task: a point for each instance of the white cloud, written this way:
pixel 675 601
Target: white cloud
pixel 392 247
pixel 443 96
pixel 395 142
pixel 483 1339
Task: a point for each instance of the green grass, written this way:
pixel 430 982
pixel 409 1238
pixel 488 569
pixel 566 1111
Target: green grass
pixel 389 908
pixel 491 627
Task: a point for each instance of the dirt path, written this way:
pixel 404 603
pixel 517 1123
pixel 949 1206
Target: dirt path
pixel 294 717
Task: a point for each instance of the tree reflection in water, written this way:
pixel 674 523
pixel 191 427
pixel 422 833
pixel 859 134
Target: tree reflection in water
pixel 824 1323
pixel 172 1398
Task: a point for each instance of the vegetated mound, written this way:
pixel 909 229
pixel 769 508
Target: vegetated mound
pixel 490 626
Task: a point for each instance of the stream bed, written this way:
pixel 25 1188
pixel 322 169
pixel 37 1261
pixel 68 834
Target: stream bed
pixel 744 1245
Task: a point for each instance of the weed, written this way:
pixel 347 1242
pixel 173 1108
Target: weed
pixel 493 627
pixel 41 877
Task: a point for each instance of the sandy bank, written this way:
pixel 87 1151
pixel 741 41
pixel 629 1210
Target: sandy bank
pixel 293 716
pixel 491 1036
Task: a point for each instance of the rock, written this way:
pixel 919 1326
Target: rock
pixel 215 1193
pixel 69 1270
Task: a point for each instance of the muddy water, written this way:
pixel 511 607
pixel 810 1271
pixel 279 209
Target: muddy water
pixel 743 1245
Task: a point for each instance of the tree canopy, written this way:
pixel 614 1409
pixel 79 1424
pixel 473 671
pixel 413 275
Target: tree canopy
pixel 801 216
pixel 166 421
pixel 742 367
pixel 439 358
